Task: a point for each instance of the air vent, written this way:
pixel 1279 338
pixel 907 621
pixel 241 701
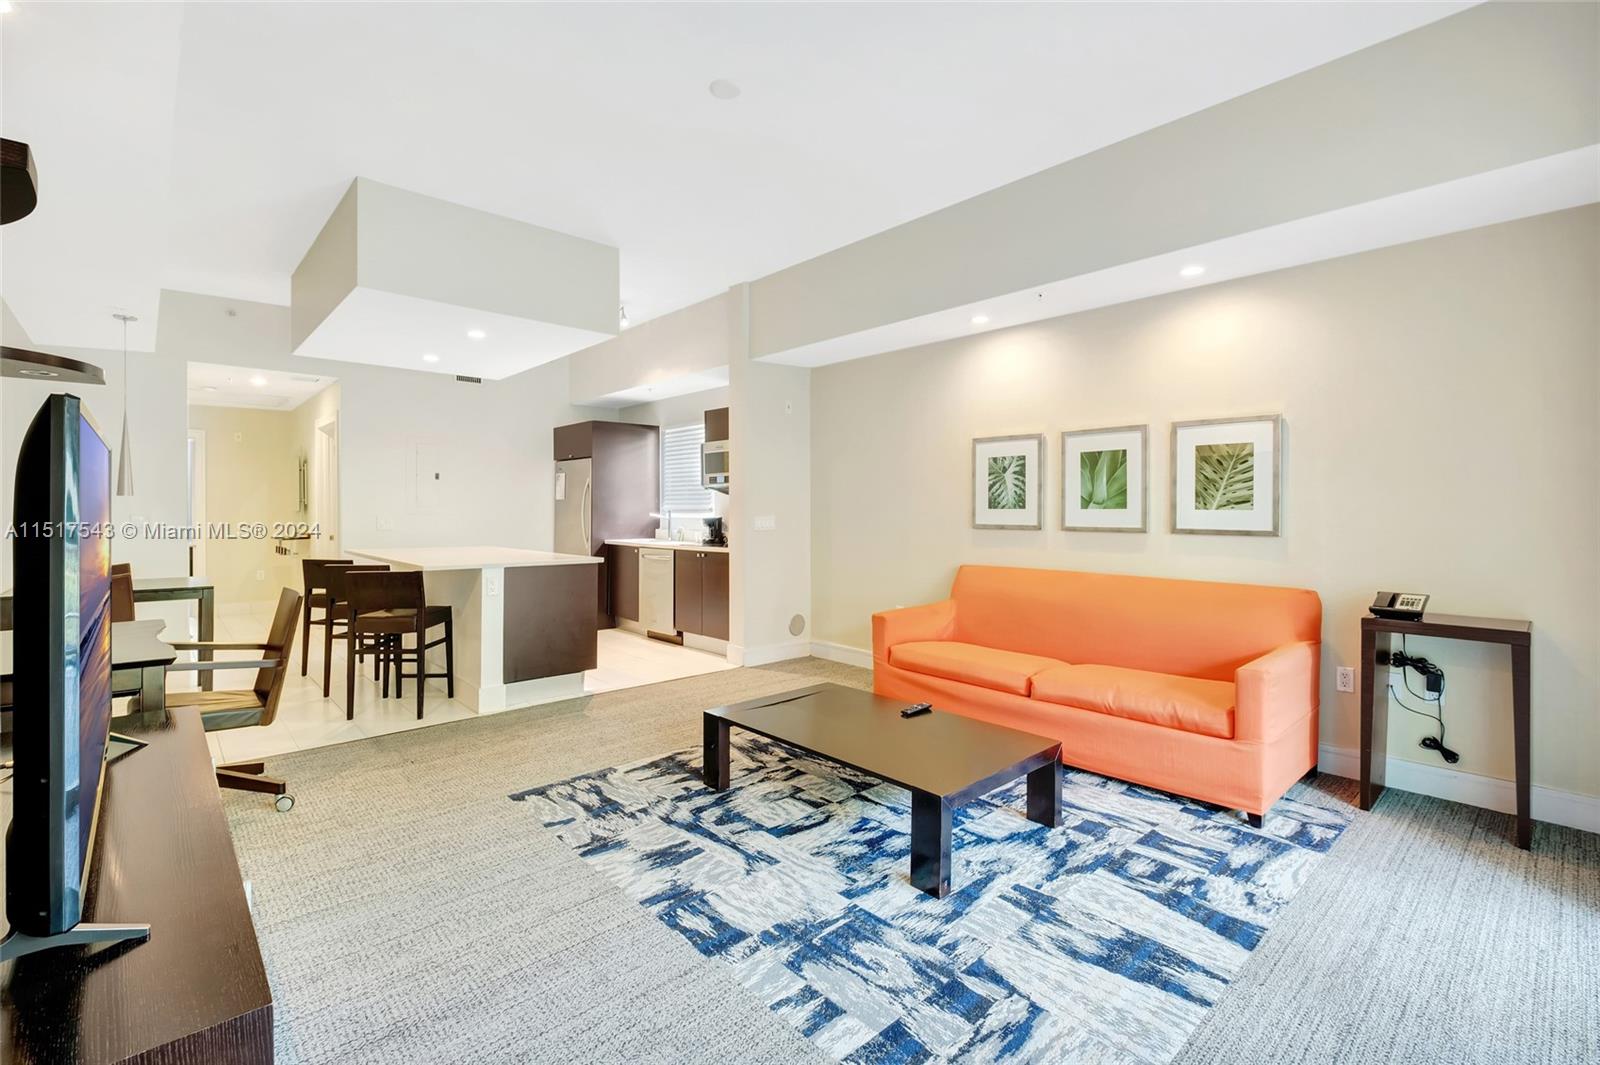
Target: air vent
pixel 469 380
pixel 307 378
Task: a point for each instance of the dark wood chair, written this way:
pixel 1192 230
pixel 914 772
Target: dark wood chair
pixel 122 592
pixel 316 597
pixel 256 706
pixel 338 613
pixel 385 608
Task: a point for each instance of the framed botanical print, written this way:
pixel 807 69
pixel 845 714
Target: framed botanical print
pixel 1103 479
pixel 1226 475
pixel 1008 482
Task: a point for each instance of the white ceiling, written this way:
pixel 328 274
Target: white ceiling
pixel 202 147
pixel 212 385
pixel 1556 183
pixel 389 329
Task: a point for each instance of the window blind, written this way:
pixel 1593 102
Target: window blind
pixel 680 470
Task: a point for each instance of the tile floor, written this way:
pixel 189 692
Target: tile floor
pixel 306 720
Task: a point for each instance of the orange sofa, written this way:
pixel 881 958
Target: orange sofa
pixel 1202 689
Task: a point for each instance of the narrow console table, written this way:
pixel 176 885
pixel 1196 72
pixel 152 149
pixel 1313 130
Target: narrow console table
pixel 1378 639
pixel 196 990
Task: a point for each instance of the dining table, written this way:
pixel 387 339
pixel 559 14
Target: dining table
pixel 139 661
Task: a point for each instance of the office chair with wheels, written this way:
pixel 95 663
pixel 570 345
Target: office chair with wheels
pixel 252 707
pixel 122 592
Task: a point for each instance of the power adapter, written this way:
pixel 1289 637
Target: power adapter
pixel 1433 681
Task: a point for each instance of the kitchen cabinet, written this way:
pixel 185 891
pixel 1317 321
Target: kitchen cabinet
pixel 714 604
pixel 574 441
pixel 700 593
pixel 624 576
pixel 609 475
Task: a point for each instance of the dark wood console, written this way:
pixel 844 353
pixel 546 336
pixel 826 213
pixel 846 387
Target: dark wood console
pixel 194 992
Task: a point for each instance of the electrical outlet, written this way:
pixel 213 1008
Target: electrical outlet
pixel 261 574
pixel 491 582
pixel 1345 678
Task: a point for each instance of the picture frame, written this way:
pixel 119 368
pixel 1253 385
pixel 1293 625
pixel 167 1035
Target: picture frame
pixel 1105 479
pixel 1008 482
pixel 1226 476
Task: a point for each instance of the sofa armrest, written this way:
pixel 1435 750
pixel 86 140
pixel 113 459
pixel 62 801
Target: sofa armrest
pixel 931 621
pixel 1275 690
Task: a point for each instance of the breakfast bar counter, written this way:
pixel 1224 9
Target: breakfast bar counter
pixel 524 620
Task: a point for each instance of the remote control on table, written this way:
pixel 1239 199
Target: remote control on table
pixel 917 708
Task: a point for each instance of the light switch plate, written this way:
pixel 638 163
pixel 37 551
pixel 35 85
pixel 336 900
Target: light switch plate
pixel 766 523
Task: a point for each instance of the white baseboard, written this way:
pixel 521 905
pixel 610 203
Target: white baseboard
pixel 768 653
pixel 838 652
pixel 1550 805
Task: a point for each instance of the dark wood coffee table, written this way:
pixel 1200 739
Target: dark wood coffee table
pixel 942 758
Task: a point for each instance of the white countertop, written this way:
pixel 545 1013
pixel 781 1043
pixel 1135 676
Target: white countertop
pixel 458 558
pixel 676 545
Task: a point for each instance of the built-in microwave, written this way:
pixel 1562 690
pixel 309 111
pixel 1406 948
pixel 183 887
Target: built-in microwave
pixel 714 465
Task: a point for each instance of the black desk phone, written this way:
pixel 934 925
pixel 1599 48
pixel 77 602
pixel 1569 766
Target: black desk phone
pixel 1401 606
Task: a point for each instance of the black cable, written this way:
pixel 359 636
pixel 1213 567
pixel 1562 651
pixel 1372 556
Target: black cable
pixel 1422 665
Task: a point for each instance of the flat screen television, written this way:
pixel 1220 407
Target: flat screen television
pixel 61 665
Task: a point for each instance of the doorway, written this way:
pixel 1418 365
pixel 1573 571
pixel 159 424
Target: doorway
pixel 325 516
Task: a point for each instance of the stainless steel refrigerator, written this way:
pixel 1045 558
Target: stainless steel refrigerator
pixel 574 506
pixel 608 482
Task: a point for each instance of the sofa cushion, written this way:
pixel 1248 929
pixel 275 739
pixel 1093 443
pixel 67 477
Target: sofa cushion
pixel 987 667
pixel 1186 703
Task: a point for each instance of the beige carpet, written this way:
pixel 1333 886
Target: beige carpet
pixel 408 914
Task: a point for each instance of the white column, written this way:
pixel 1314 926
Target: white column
pixel 769 506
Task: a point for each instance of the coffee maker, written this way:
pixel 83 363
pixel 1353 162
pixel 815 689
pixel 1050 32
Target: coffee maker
pixel 715 536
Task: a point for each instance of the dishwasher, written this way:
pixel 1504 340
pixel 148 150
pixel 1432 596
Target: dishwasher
pixel 655 591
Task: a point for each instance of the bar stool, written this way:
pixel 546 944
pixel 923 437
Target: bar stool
pixel 316 595
pixel 384 608
pixel 338 612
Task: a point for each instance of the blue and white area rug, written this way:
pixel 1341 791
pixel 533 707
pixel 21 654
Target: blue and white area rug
pixel 1103 940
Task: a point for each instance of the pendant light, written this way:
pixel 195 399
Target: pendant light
pixel 125 458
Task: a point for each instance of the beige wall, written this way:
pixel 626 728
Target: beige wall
pixel 251 476
pixel 491 442
pixel 1439 401
pixel 769 504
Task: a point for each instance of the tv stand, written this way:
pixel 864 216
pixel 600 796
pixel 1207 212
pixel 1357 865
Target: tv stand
pixel 195 990
pixel 84 933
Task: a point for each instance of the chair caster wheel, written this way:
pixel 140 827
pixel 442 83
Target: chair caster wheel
pixel 284 803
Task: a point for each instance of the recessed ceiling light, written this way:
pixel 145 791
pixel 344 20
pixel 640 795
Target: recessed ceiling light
pixel 430 357
pixel 258 381
pixel 1192 270
pixel 723 89
pixel 5 9
pixel 208 388
pixel 980 319
pixel 37 373
pixel 476 334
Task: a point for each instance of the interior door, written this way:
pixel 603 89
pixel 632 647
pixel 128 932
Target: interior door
pixel 326 496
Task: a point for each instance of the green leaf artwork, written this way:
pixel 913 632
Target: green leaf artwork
pixel 1224 476
pixel 1103 480
pixel 1008 482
